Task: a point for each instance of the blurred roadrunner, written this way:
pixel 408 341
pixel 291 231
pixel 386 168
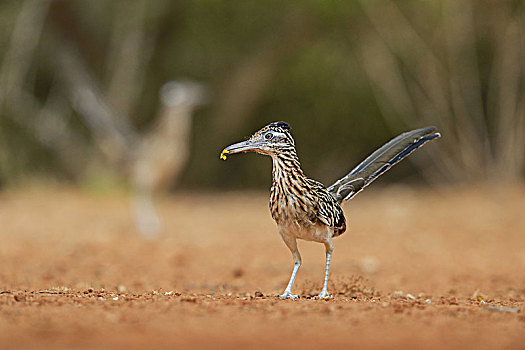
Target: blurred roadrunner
pixel 303 208
pixel 160 155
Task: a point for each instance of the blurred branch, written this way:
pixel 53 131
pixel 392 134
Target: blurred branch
pixel 115 135
pixel 391 93
pixel 130 51
pixel 23 42
pixel 465 86
pixel 46 122
pixel 409 78
pixel 509 100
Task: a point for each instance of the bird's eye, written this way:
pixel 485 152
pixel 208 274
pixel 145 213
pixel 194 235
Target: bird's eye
pixel 268 136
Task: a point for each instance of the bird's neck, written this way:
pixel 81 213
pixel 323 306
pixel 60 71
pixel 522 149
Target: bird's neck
pixel 286 168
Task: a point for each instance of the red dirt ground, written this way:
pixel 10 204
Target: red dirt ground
pixel 416 269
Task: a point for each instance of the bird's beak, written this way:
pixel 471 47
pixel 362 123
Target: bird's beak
pixel 239 147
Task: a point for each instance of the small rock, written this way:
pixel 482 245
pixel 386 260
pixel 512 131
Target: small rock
pixel 258 294
pixel 189 300
pixel 101 298
pixel 502 309
pixel 397 294
pixel 19 297
pixel 410 296
pixel 115 298
pixel 428 301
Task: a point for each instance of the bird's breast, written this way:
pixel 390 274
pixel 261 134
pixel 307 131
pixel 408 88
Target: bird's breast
pixel 288 207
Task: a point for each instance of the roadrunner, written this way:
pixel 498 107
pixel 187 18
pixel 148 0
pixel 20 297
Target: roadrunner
pixel 160 155
pixel 303 208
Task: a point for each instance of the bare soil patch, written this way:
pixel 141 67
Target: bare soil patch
pixel 416 269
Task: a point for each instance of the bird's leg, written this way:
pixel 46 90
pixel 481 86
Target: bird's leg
pixel 146 217
pixel 297 263
pixel 329 249
pixel 291 243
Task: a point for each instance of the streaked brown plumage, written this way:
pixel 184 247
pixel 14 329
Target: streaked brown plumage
pixel 303 208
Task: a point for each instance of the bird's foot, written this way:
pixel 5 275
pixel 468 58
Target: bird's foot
pixel 324 295
pixel 288 295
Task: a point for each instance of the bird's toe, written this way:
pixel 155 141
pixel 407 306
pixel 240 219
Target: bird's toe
pixel 324 295
pixel 288 295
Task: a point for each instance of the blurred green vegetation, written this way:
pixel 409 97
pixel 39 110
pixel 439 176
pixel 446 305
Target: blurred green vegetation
pixel 347 76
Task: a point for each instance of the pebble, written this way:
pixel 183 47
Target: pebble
pixel 502 308
pixel 397 294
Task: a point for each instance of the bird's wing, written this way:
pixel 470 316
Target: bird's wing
pixel 380 161
pixel 326 209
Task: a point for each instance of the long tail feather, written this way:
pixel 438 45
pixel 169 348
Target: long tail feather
pixel 380 161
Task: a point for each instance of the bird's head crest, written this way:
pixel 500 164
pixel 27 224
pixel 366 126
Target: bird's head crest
pixel 271 139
